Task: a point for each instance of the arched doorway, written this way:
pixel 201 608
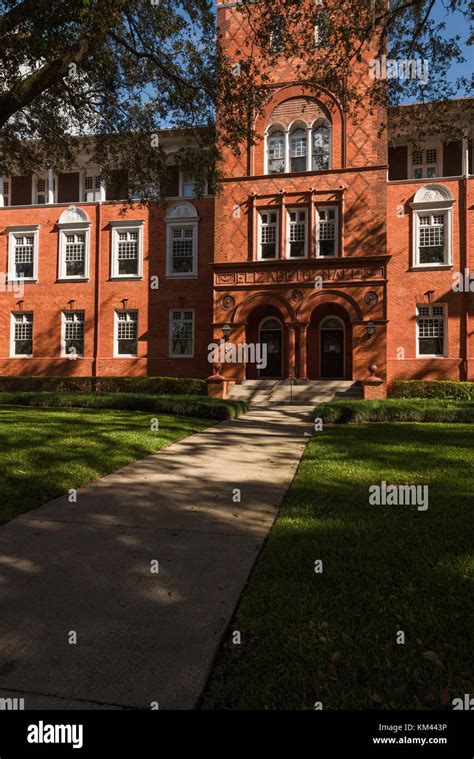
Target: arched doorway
pixel 270 337
pixel 331 344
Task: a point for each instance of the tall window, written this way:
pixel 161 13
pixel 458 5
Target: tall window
pixel 277 33
pixel 182 253
pixel 6 192
pixel 126 333
pixel 22 334
pixel 321 146
pixel 92 184
pixel 431 229
pixel 297 233
pixel 73 334
pixel 268 234
pixel 298 150
pixel 276 152
pixel 74 254
pixel 326 232
pixel 303 148
pixel 431 328
pixel 425 163
pixel 181 334
pixel 23 253
pixel 127 249
pixel 187 185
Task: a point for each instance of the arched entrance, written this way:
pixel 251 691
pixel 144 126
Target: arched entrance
pixel 270 337
pixel 331 346
pixel 329 343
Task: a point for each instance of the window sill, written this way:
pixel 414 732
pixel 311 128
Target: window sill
pixel 126 277
pixel 431 267
pixel 25 281
pixel 72 279
pixel 181 356
pixel 22 356
pixel 127 355
pixel 181 276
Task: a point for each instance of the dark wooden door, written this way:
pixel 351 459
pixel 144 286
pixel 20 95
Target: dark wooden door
pixel 272 338
pixel 332 354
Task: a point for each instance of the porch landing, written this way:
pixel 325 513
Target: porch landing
pixel 300 392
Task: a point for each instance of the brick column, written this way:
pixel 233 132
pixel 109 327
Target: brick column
pixel 303 357
pixel 290 350
pixel 282 230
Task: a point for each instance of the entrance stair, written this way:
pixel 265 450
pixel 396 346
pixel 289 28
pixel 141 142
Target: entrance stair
pixel 302 393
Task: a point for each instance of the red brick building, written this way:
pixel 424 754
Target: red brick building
pixel 315 248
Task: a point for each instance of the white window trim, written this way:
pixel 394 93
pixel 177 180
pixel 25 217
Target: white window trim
pixel 296 209
pixel 179 223
pixel 445 337
pixel 336 253
pixel 99 193
pixel 132 225
pixel 433 145
pixel 12 335
pixel 287 132
pixel 32 229
pixel 64 353
pixel 3 180
pixel 448 214
pixel 321 122
pixel 259 232
pixel 73 228
pixel 116 313
pixel 170 333
pixel 271 129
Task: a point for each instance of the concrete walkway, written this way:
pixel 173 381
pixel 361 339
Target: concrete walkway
pixel 85 567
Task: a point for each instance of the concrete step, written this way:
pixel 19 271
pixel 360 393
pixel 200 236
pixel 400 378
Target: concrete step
pixel 282 392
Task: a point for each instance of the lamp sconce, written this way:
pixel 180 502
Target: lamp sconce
pixel 370 327
pixel 226 330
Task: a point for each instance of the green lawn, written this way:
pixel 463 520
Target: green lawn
pixel 45 452
pixel 331 637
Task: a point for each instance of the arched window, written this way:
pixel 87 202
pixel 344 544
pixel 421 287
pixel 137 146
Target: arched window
pixel 321 146
pixel 276 152
pixel 298 149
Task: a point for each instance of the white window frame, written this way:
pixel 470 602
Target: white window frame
pixel 321 122
pixel 432 200
pixel 447 213
pixel 73 229
pixel 277 236
pixel 32 230
pixel 183 184
pixel 276 129
pixel 97 193
pixel 5 190
pixel 170 333
pixel 64 353
pixel 319 208
pixel 431 306
pixel 290 210
pixel 424 165
pixel 181 224
pixel 116 322
pixel 14 314
pixel 132 225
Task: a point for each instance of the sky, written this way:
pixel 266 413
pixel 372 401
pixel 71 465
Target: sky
pixel 456 24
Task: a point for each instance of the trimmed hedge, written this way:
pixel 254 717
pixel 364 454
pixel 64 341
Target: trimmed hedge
pixel 151 385
pixel 433 389
pixel 396 410
pixel 178 405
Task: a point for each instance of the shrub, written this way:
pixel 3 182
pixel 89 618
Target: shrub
pixel 179 405
pixel 396 410
pixel 433 389
pixel 151 385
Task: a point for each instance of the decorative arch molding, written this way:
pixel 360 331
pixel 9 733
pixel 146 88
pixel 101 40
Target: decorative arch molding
pixel 244 309
pixel 180 211
pixel 73 215
pixel 290 91
pixel 433 193
pixel 329 296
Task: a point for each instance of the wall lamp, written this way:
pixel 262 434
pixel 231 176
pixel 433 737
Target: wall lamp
pixel 370 326
pixel 226 330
